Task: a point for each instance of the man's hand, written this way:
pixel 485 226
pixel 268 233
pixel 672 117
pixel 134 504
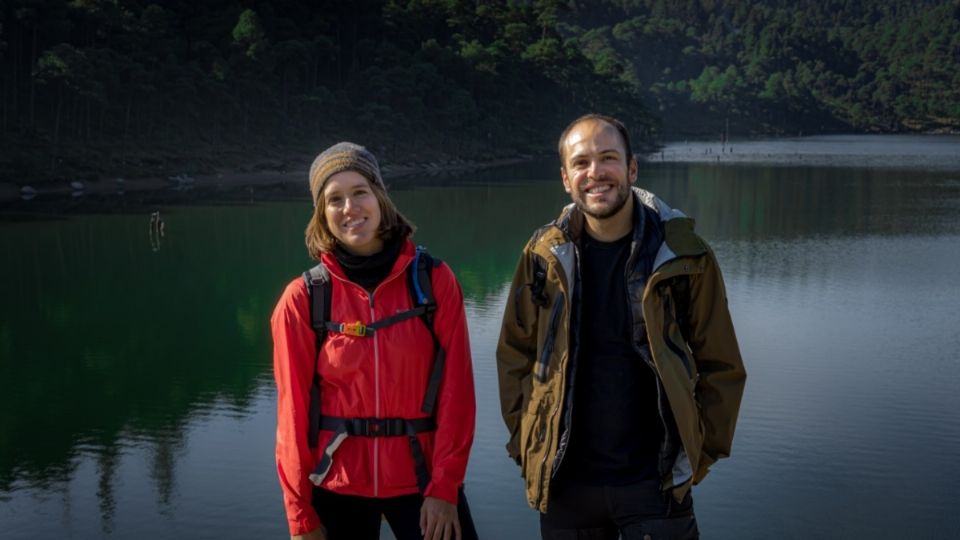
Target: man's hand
pixel 316 534
pixel 438 520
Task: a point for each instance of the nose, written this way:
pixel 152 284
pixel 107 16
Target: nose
pixel 347 204
pixel 594 168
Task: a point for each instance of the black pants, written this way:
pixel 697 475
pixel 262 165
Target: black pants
pixel 347 517
pixel 638 511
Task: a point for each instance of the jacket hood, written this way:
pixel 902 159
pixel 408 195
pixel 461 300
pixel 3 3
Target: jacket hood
pixel 571 218
pixel 679 237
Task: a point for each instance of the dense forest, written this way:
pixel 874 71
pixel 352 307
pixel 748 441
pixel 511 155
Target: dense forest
pixel 801 66
pixel 106 87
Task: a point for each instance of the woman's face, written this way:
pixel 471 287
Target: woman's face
pixel 352 213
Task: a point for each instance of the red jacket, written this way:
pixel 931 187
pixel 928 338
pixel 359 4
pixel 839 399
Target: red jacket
pixel 383 376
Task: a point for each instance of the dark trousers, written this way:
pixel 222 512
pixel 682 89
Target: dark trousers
pixel 639 511
pixel 347 517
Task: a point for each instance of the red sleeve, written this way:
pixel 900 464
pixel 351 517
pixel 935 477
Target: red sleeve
pixel 456 402
pixel 294 362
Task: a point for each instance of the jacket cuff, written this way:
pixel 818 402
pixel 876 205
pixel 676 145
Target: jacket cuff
pixel 443 491
pixel 304 525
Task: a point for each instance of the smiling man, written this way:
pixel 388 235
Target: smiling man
pixel 620 374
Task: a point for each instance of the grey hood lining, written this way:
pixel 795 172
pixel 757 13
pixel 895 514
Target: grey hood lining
pixel 666 213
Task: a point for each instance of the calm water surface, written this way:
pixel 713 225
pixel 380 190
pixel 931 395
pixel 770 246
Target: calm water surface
pixel 136 397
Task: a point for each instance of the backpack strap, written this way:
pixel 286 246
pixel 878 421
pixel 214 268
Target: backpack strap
pixel 421 283
pixel 319 291
pixel 421 287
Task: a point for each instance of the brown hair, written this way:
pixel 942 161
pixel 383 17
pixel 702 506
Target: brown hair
pixel 596 117
pixel 320 240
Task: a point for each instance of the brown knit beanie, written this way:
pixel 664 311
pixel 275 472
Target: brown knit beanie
pixel 343 156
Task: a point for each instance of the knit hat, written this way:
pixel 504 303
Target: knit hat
pixel 343 156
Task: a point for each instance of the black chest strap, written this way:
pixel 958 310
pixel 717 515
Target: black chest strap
pixel 376 427
pixel 358 329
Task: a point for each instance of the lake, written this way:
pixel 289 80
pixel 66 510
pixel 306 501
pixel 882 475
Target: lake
pixel 137 398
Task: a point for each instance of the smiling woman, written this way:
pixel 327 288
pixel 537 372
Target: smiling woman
pixel 375 414
pixel 352 213
pixel 351 204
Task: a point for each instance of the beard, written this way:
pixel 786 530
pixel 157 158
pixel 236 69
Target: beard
pixel 623 191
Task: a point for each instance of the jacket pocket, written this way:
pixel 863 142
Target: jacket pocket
pixel 533 431
pixel 537 448
pixel 535 287
pixel 669 321
pixel 548 342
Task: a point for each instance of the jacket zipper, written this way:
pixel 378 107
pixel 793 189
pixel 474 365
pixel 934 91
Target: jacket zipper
pixel 663 422
pixel 676 349
pixel 376 374
pixel 541 371
pixel 376 400
pixel 670 345
pixel 647 359
pixel 572 367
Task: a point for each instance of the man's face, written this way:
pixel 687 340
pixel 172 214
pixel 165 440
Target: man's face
pixel 596 172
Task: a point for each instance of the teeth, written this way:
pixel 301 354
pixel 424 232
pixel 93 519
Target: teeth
pixel 352 223
pixel 598 189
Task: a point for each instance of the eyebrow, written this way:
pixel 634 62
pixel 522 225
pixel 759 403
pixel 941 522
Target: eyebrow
pixel 359 184
pixel 601 152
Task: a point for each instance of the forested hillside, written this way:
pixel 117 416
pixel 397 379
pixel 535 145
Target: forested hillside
pixel 95 87
pixel 146 86
pixel 781 66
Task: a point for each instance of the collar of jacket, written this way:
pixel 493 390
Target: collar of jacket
pixel 407 252
pixel 679 238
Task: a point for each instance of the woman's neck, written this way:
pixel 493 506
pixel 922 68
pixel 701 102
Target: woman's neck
pixel 368 271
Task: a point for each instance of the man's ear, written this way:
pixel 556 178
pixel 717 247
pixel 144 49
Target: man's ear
pixel 632 170
pixel 566 180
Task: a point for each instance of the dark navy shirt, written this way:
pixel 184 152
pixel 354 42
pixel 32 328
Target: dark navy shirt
pixel 616 430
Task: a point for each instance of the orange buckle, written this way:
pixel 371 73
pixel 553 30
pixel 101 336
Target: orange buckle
pixel 353 329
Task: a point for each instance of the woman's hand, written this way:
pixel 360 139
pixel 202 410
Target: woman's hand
pixel 438 520
pixel 316 534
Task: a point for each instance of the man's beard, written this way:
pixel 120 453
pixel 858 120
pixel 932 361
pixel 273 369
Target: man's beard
pixel 622 193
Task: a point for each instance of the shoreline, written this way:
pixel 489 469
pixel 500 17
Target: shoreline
pixel 63 197
pixel 926 152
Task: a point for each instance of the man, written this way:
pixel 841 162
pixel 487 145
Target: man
pixel 620 374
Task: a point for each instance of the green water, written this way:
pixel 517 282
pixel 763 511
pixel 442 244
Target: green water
pixel 136 396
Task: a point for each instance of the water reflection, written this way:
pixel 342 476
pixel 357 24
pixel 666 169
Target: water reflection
pixel 107 462
pixel 126 369
pixel 102 338
pixel 157 230
pixel 761 203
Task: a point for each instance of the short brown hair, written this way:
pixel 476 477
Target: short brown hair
pixel 320 240
pixel 597 117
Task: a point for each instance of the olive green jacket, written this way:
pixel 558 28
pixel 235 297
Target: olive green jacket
pixel 701 376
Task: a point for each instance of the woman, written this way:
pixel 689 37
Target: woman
pixel 388 442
